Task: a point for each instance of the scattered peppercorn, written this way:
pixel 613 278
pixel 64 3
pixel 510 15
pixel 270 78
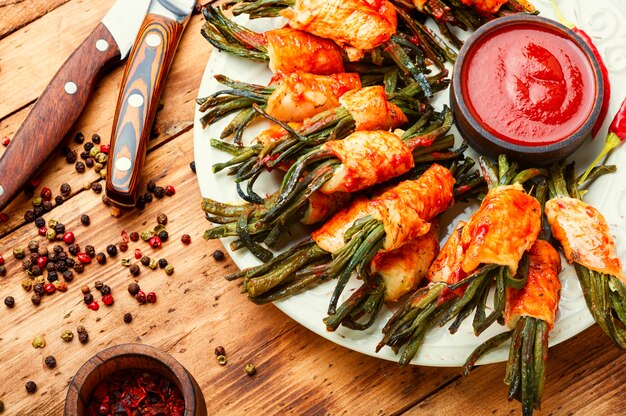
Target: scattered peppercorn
pixel 250 369
pixel 134 270
pixel 88 298
pixel 38 211
pixel 162 263
pixel 164 236
pixel 192 166
pixel 221 359
pixel 218 255
pixel 170 190
pixel 51 235
pixel 39 341
pixel 105 290
pixel 47 206
pixel 134 236
pixel 105 148
pixel 3 271
pixel 43 231
pixel 145 260
pixel 68 237
pixel 108 299
pixel 46 193
pixel 169 270
pixel 128 317
pixel 49 288
pixel 80 329
pixel 85 289
pixel 89 162
pixel 35 270
pixel 219 350
pixel 9 301
pixel 6 141
pixel 83 337
pixel 31 387
pixel 60 229
pixel 88 146
pixel 101 258
pixel 94 306
pixel 133 288
pixel 146 235
pixel 151 297
pixel 85 220
pixel 67 335
pixel 65 189
pixel 185 239
pixel 37 201
pixel 84 156
pixel 27 285
pixel 112 250
pixel 1 260
pixel 151 185
pixel 33 246
pixel 96 187
pixel 50 361
pixel 40 222
pixel 147 197
pixel 1 406
pixel 80 267
pixel 123 247
pixel 95 138
pixel 29 216
pixel 153 264
pixel 141 297
pixel 35 299
pixel 80 167
pixel 59 200
pixel 159 192
pixel 90 251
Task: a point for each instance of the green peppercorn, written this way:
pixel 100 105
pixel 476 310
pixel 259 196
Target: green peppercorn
pixel 169 270
pixel 9 301
pixel 221 359
pixel 51 235
pixel 38 280
pixel 50 361
pixel 67 335
pixel 128 318
pixel 37 201
pixel 146 235
pixel 102 158
pixel 125 262
pixel 18 253
pixel 39 342
pixel 103 175
pixel 31 387
pixel 27 285
pixel 153 264
pixel 162 219
pixel 93 152
pixel 157 229
pixel 250 369
pixel 98 167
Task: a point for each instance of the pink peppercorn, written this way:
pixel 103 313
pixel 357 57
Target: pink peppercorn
pixel 141 297
pixel 94 306
pixel 155 242
pixel 5 141
pixel 151 297
pixel 138 254
pixel 83 258
pixel 68 237
pixel 49 288
pixel 41 261
pixel 104 148
pixel 186 239
pixel 107 299
pixel 42 231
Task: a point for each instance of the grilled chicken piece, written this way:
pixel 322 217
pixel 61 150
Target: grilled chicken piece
pixel 301 95
pixel 371 110
pixel 322 206
pixel 407 209
pixel 292 50
pixel 274 133
pixel 584 235
pixel 367 158
pixel 540 297
pixel 404 268
pixel 356 25
pixel 330 236
pixel 504 227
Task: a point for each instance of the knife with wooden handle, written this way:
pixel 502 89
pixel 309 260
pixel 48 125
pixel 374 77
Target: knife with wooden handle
pixel 142 84
pixel 65 97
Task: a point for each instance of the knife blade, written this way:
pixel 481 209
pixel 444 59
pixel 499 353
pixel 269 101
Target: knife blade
pixel 142 84
pixel 65 97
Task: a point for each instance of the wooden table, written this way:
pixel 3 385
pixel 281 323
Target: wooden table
pixel 197 310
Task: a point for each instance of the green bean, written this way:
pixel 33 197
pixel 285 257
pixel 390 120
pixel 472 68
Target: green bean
pixel 491 344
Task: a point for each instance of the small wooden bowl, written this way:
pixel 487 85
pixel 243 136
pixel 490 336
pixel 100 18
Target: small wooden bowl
pixel 487 143
pixel 127 356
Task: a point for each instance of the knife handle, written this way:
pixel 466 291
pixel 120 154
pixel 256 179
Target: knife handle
pixel 55 112
pixel 142 84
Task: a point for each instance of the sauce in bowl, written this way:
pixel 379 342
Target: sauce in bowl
pixel 528 85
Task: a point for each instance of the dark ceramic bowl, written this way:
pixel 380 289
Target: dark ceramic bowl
pixel 127 356
pixel 485 142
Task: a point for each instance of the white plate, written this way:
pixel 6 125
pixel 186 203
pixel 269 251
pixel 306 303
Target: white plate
pixel 602 20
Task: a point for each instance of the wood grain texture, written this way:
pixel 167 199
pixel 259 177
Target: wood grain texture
pixel 55 112
pixel 142 85
pixel 15 14
pixel 298 372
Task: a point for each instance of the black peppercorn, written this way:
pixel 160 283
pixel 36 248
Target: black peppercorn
pixel 33 246
pixel 9 301
pixel 31 387
pixel 89 162
pixel 134 236
pixel 84 155
pixel 192 165
pixel 98 284
pixel 65 189
pixel 101 258
pixel 79 138
pixel 162 263
pixel 27 264
pixel 50 361
pixel 38 288
pixel 96 187
pixel 52 257
pixel 151 185
pixel 88 146
pixel 148 197
pixel 163 235
pixel 68 275
pixel 70 263
pixel 79 267
pixel 3 270
pixel 162 219
pixel 88 298
pixel 29 216
pixel 218 255
pixel 62 256
pixel 159 192
pixel 50 267
pixel 38 212
pixel 35 299
pixel 95 138
pixel 57 249
pixel 65 150
pixel 112 250
pixel 83 337
pixel 59 228
pixel 145 260
pixel 59 200
pixel 128 318
pixel 71 157
pixel 47 206
pixel 80 167
pixel 85 220
pixel 141 202
pixel 105 290
pixel 40 222
pixel 90 250
pixel 133 288
pixel 134 269
pixel 60 266
pixel 35 270
pixel 73 248
pixel 53 276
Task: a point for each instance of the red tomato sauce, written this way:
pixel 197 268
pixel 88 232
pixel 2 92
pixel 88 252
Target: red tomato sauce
pixel 528 85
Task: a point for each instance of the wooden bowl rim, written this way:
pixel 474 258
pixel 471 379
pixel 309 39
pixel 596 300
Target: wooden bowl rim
pixel 128 350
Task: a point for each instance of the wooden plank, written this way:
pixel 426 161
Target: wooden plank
pixel 176 116
pixel 15 14
pixel 585 377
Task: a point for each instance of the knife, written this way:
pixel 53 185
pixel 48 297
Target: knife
pixel 65 97
pixel 142 84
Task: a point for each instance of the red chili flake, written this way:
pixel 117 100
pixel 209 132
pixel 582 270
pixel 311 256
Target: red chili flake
pixel 41 261
pixel 141 297
pixel 94 306
pixel 46 193
pixel 155 242
pixel 1 260
pixel 138 254
pixel 42 231
pixel 3 217
pixel 170 190
pixel 68 237
pixel 104 148
pixel 6 141
pixel 125 236
pixel 83 258
pixel 49 288
pixel 108 299
pixel 151 297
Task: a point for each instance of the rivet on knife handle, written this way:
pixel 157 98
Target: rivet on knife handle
pixel 137 104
